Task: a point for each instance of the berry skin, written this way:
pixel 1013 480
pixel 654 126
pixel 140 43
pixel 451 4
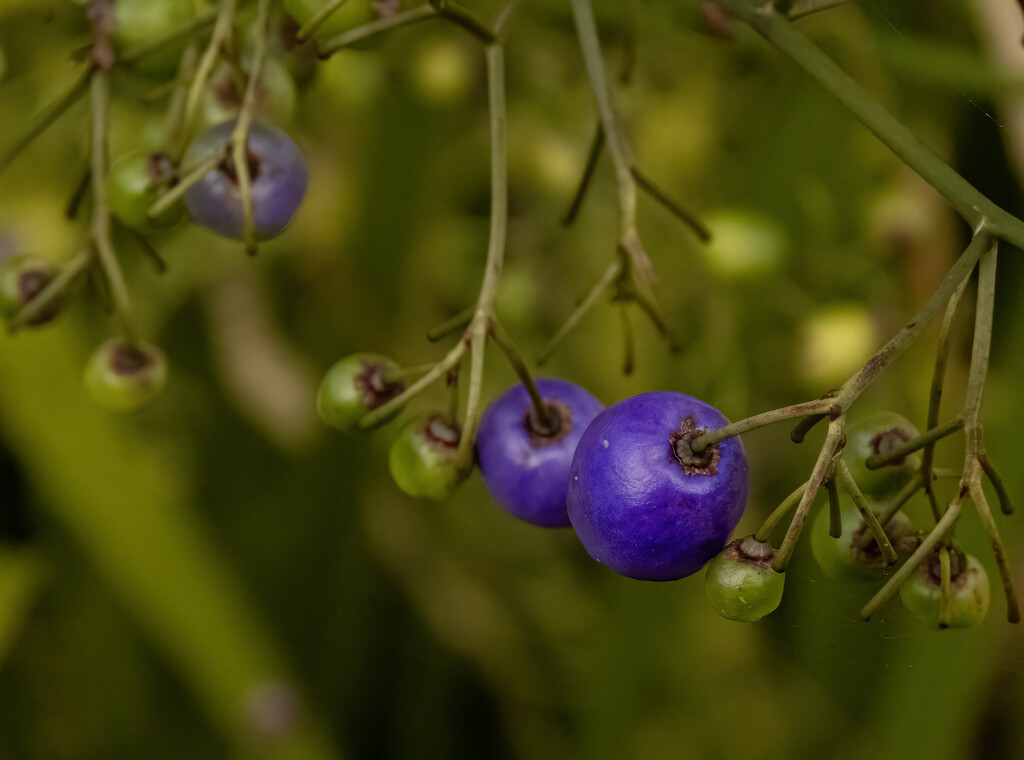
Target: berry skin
pixel 122 376
pixel 641 501
pixel 277 174
pixel 526 470
pixel 354 386
pixel 878 434
pixel 969 594
pixel 424 459
pixel 135 182
pixel 22 277
pixel 138 21
pixel 740 582
pixel 838 557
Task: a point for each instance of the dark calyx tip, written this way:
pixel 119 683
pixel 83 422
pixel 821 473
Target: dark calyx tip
pixel 692 462
pixel 375 389
pixel 128 360
pixel 888 440
pixel 559 423
pixel 441 433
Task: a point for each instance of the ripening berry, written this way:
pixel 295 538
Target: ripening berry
pixel 123 376
pixel 425 460
pixel 740 582
pixel 355 386
pixel 134 183
pixel 969 593
pixel 878 434
pixel 22 277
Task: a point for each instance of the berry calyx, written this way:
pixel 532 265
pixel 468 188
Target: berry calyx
pixel 740 582
pixel 134 183
pixel 124 376
pixel 524 462
pixel 425 460
pixel 878 434
pixel 845 558
pixel 277 175
pixel 354 386
pixel 640 502
pixel 969 593
pixel 22 278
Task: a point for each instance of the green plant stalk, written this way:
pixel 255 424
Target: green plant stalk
pixel 310 27
pixel 411 16
pixel 48 116
pixel 449 326
pixel 190 177
pixel 462 17
pixel 944 587
pixel 504 341
pixel 932 435
pixel 198 24
pixel 220 36
pixel 971 204
pixel 702 441
pixel 764 533
pixel 866 513
pixel 894 504
pixel 648 185
pixel 68 273
pixel 800 9
pixel 608 278
pixel 240 134
pixel 835 514
pixel 1005 500
pixel 938 533
pixel 593 155
pixel 998 550
pixel 628 349
pixel 99 102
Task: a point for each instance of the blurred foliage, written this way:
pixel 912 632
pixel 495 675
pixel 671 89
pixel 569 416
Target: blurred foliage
pixel 221 577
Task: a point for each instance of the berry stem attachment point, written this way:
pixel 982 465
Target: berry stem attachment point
pixel 897 454
pixel 190 176
pixel 545 421
pixel 739 427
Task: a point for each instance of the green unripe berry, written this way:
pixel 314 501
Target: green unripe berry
pixel 123 376
pixel 22 277
pixel 844 558
pixel 740 582
pixel 354 386
pixel 138 21
pixel 425 460
pixel 878 434
pixel 350 15
pixel 275 96
pixel 969 593
pixel 134 183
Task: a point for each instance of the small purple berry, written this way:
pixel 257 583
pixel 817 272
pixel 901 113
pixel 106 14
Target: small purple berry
pixel 645 504
pixel 277 173
pixel 525 467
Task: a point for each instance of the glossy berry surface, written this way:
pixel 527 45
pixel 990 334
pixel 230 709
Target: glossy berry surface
pixel 354 386
pixel 878 434
pixel 740 582
pixel 969 593
pixel 425 460
pixel 277 174
pixel 844 558
pixel 22 277
pixel 137 21
pixel 124 376
pixel 525 467
pixel 644 504
pixel 135 182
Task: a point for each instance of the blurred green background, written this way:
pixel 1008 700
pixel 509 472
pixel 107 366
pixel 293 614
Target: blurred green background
pixel 221 577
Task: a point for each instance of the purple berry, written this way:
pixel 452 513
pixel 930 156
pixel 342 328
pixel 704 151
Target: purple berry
pixel 525 467
pixel 277 173
pixel 645 504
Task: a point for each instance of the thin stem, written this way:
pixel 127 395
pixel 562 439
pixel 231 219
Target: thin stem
pixel 452 381
pixel 412 16
pixel 618 145
pixel 866 513
pixel 449 326
pixel 78 195
pixel 190 177
pixel 221 34
pixel 309 28
pixel 897 579
pixel 807 7
pixel 772 417
pixel 980 351
pixel 650 307
pixel 240 134
pixel 48 116
pixel 944 575
pixel 611 274
pixel 198 24
pixel 835 514
pixel 998 549
pixel 540 410
pixel 804 426
pixel 1005 500
pixel 927 438
pixel 648 185
pixel 157 260
pixel 961 195
pixel 593 156
pixel 175 118
pixel 462 17
pixel 831 445
pixel 100 100
pixel 895 503
pixel 68 273
pixel 764 533
pixel 628 350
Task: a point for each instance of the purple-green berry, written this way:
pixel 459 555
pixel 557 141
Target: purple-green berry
pixel 355 386
pixel 425 461
pixel 876 434
pixel 740 582
pixel 969 593
pixel 844 558
pixel 124 376
pixel 134 183
pixel 22 278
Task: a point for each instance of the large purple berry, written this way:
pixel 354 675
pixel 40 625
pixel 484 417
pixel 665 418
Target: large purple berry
pixel 642 501
pixel 524 464
pixel 277 173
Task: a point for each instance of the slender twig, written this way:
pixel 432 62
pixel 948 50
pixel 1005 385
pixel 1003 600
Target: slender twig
pixel 541 412
pixel 628 350
pixel 309 28
pixel 648 185
pixel 998 550
pixel 944 583
pixel 895 503
pixel 198 24
pixel 464 18
pixel 866 513
pixel 1005 500
pixel 611 274
pixel 159 264
pixel 48 116
pixel 449 326
pixel 718 435
pixel 764 533
pixel 927 438
pixel 835 514
pixel 78 195
pixel 189 177
pixel 802 8
pixel 334 44
pixel 593 155
pixel 220 37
